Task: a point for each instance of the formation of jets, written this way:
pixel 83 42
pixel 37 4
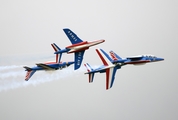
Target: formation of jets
pixel 111 62
pixel 78 47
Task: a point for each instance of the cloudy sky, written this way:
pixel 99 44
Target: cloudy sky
pixel 149 92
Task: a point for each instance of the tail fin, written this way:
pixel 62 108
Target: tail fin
pixel 89 68
pixel 58 56
pixel 90 73
pixel 29 73
pixel 114 56
pixel 72 36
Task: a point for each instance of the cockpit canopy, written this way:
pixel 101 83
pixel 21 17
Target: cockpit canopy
pixel 149 56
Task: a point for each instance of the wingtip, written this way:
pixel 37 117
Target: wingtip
pixel 65 29
pixel 97 50
pixel 76 68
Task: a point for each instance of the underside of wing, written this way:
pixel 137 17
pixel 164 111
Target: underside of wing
pixel 78 59
pixel 44 66
pixel 110 76
pixel 104 57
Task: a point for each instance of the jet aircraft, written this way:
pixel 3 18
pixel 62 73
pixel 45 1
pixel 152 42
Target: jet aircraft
pixel 135 60
pixel 112 64
pixel 108 67
pixel 47 65
pixel 78 47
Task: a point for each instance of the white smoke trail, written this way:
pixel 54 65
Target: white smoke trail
pixel 3 68
pixel 12 77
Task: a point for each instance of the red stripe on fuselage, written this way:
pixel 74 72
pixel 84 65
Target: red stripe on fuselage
pixel 82 46
pixel 137 62
pixel 95 42
pixel 77 44
pixel 86 42
pixel 81 49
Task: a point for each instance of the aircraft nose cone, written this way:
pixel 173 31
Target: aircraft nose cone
pixel 101 40
pixel 160 59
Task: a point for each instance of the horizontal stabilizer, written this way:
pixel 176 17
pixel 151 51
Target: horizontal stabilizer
pixel 27 68
pixel 29 74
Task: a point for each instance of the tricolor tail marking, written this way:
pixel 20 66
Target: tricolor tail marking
pixel 56 48
pixel 89 69
pixel 114 55
pixel 90 75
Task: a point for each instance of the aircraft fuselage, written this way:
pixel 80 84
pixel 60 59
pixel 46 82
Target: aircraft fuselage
pixel 82 46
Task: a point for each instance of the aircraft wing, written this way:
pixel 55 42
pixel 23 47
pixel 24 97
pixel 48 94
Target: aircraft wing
pixel 78 59
pixel 104 57
pixel 109 67
pixel 44 66
pixel 72 36
pixel 110 76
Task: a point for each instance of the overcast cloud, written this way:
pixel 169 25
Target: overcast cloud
pixel 149 92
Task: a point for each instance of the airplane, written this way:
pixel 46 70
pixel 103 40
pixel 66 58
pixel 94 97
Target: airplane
pixel 115 62
pixel 134 60
pixel 47 65
pixel 78 47
pixel 108 67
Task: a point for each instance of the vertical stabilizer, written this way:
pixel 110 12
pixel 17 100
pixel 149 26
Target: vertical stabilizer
pixel 90 73
pixel 114 56
pixel 58 56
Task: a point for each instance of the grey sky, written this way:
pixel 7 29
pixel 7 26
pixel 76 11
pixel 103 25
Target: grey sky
pixel 149 92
